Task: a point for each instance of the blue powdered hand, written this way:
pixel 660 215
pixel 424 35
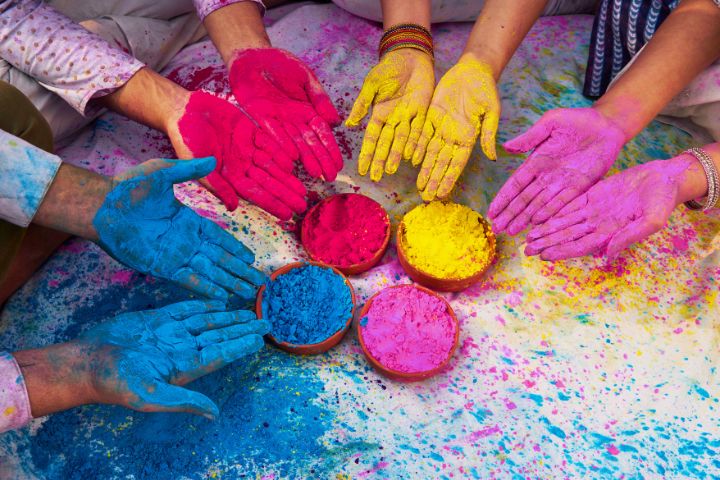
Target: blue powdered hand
pixel 138 359
pixel 142 225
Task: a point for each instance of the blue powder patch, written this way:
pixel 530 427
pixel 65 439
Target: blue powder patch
pixel 307 305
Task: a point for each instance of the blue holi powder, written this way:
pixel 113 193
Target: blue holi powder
pixel 307 305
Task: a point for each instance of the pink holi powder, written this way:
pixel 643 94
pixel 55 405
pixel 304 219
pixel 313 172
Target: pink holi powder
pixel 408 330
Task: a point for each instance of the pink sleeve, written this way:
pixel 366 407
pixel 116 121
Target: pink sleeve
pixel 14 401
pixel 60 54
pixel 206 7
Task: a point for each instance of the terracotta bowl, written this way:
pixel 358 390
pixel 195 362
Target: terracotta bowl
pixel 312 348
pixel 443 284
pixel 354 269
pixel 404 376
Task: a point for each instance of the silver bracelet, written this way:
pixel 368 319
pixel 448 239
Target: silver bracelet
pixel 713 179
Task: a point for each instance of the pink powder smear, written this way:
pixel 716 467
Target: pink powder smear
pixel 408 330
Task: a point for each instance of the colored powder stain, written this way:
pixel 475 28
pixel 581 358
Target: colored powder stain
pixel 701 391
pixel 345 230
pixel 447 240
pixel 307 305
pixel 409 330
pixel 613 450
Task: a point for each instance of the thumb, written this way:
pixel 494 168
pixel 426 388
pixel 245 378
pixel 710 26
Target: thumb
pixel 533 137
pixel 488 131
pixel 362 104
pixel 634 231
pixel 181 171
pixel 171 398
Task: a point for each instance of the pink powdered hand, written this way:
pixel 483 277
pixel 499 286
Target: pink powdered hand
pixel 616 212
pixel 572 149
pixel 283 95
pixel 250 164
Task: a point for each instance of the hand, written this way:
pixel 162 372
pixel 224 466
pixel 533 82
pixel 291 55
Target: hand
pixel 138 359
pixel 616 212
pixel 141 224
pixel 250 164
pixel 286 99
pixel 399 88
pixel 572 149
pixel 465 103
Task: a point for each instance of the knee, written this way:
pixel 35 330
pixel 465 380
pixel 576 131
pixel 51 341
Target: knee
pixel 26 121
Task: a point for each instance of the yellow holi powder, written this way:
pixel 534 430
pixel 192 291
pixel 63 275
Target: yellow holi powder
pixel 447 240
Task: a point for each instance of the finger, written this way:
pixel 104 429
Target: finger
pixel 517 182
pixel 426 135
pixel 283 160
pixel 377 167
pixel 233 265
pixel 516 206
pixel 522 220
pixel 585 246
pixel 327 165
pixel 206 268
pixel 190 280
pixel 290 181
pixel 558 201
pixel 171 398
pixel 233 332
pixel 278 189
pixel 307 157
pixel 361 107
pixel 431 153
pixel 321 101
pixel 459 160
pixel 280 138
pixel 439 170
pixel 248 189
pixel 223 190
pixel 634 231
pixel 570 234
pixel 577 204
pixel 213 233
pixel 200 323
pixel 556 224
pixel 218 355
pixel 533 137
pixel 402 131
pixel 181 171
pixel 372 134
pixel 488 131
pixel 416 128
pixel 182 310
pixel 323 132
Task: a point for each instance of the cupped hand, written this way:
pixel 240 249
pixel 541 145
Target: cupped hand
pixel 573 148
pixel 613 214
pixel 143 225
pixel 399 88
pixel 465 104
pixel 250 163
pixel 141 360
pixel 286 99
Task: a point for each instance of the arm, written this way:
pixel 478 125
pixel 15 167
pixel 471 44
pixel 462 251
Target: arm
pixel 686 43
pixel 397 11
pixel 236 27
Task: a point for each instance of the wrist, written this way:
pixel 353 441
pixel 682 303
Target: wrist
pixel 493 65
pixel 692 183
pixel 235 28
pixel 622 115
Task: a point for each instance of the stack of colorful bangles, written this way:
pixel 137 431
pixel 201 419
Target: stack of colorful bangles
pixel 406 35
pixel 713 179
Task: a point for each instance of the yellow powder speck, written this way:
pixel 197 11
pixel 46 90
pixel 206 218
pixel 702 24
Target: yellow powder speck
pixel 447 240
pixel 9 411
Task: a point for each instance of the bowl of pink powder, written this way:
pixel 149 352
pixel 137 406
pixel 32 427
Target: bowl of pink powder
pixel 408 332
pixel 347 231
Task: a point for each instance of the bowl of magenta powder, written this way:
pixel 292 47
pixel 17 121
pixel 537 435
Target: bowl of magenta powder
pixel 348 231
pixel 408 332
pixel 309 307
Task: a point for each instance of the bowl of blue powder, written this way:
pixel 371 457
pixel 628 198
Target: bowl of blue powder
pixel 309 307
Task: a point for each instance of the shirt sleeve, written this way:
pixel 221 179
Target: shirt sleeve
pixel 206 7
pixel 60 54
pixel 14 401
pixel 26 173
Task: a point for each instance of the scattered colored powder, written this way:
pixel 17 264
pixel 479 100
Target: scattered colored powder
pixel 345 230
pixel 408 330
pixel 447 240
pixel 307 305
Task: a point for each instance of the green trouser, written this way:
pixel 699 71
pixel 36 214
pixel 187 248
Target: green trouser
pixel 20 118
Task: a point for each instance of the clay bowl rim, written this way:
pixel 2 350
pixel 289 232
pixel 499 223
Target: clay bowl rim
pixel 405 376
pixel 355 268
pixel 309 348
pixel 463 282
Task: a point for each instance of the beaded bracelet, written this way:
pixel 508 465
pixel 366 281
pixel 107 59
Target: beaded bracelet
pixel 406 35
pixel 713 180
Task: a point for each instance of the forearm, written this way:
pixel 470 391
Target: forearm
pixel 499 30
pixel 685 44
pixel 397 11
pixel 235 28
pixel 72 201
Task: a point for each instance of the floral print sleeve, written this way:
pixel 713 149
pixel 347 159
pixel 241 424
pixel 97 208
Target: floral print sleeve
pixel 14 401
pixel 206 7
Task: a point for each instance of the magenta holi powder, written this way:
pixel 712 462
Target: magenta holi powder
pixel 345 229
pixel 409 330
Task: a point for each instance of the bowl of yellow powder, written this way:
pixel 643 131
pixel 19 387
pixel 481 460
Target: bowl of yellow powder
pixel 445 246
